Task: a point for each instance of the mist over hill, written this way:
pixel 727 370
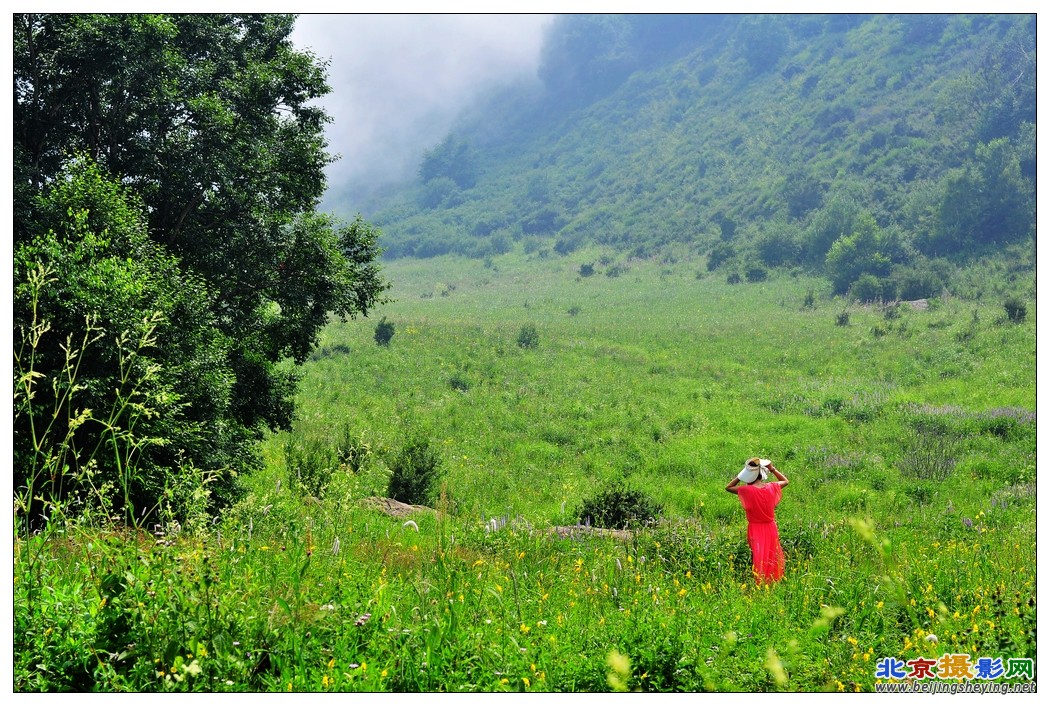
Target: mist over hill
pixel 882 150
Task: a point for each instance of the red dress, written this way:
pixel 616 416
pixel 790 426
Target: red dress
pixel 766 553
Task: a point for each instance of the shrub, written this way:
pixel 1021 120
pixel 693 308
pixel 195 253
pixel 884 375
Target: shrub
pixel 416 471
pixel 756 273
pixel 842 318
pixel 810 300
pixel 733 278
pixel 618 506
pixel 719 254
pixel 384 332
pixel 586 269
pixel 867 288
pixel 1016 310
pixel 528 336
pixel 310 463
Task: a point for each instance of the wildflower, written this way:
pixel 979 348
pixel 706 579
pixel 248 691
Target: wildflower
pixel 526 680
pixel 525 628
pixel 331 663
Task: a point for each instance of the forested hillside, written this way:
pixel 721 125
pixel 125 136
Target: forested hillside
pixel 884 151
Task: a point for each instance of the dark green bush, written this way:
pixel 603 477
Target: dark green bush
pixel 618 506
pixel 867 288
pixel 756 273
pixel 528 336
pixel 1015 309
pixel 384 332
pixel 416 471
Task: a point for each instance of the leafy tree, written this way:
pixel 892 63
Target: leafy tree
pixel 867 288
pixel 762 40
pixel 110 288
pixel 861 252
pixel 778 245
pixel 452 159
pixel 720 253
pixel 987 202
pixel 211 120
pixel 585 56
pixel 827 225
pixel 440 192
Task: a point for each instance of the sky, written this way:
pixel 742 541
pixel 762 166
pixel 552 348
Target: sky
pixel 399 81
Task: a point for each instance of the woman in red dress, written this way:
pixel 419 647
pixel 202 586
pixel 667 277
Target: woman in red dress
pixel 759 499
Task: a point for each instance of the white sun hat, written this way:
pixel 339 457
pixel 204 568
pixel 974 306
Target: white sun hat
pixel 754 468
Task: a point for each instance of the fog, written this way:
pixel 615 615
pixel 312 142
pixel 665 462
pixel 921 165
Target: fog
pixel 398 82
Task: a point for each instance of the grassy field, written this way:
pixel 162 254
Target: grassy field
pixel 909 437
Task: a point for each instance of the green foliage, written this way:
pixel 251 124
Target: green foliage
pixel 862 252
pixel 1016 309
pixel 210 122
pixel 619 506
pixel 756 273
pixel 720 253
pixel 762 41
pixel 311 462
pixel 384 331
pixel 757 134
pixel 453 160
pixel 528 336
pixel 416 471
pixel 867 288
pixel 330 594
pixel 101 349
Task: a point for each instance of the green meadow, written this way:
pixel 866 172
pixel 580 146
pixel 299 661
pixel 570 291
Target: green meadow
pixel 908 434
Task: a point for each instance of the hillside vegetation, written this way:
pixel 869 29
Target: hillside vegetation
pixel 880 151
pixel 601 297
pixel 534 392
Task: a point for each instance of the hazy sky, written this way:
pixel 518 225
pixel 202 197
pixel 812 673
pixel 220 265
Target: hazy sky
pixel 398 80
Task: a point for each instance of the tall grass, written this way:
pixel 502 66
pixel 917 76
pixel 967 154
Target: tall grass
pixel 659 380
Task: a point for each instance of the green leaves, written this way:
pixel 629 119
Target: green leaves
pixel 206 124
